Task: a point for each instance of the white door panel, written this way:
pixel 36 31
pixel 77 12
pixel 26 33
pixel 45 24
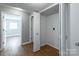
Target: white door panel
pixel 36 32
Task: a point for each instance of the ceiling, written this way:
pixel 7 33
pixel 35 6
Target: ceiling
pixel 51 10
pixel 30 6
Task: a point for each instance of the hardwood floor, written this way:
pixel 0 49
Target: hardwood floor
pixel 44 51
pixel 26 50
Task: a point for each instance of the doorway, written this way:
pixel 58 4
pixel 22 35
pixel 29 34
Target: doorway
pixel 11 31
pixel 32 28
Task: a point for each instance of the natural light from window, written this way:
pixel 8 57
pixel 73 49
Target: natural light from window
pixel 13 25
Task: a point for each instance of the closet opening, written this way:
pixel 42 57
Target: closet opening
pixel 50 28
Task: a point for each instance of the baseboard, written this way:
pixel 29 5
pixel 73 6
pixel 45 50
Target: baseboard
pixel 44 44
pixel 52 46
pixel 49 45
pixel 41 44
pixel 26 43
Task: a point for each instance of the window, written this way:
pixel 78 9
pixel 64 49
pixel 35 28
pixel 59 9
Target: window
pixel 13 25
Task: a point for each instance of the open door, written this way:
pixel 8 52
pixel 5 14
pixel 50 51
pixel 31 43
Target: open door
pixel 10 30
pixel 3 31
pixel 36 31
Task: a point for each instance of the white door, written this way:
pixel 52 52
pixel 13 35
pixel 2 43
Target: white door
pixel 74 29
pixel 36 32
pixel 11 26
pixel 3 30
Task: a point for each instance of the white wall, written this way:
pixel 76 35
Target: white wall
pixel 74 28
pixel 53 35
pixel 47 34
pixel 25 28
pixel 43 28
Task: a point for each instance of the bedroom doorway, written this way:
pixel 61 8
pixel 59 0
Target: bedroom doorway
pixel 11 30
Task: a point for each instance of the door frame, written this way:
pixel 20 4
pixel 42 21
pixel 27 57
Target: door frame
pixel 64 33
pixel 2 16
pixel 32 28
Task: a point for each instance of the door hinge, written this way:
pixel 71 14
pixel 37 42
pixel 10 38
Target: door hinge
pixel 3 17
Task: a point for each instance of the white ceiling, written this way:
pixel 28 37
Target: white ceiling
pixel 30 6
pixel 52 10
